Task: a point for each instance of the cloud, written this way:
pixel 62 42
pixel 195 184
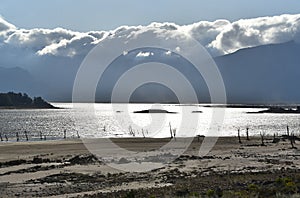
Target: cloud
pixel 5 26
pixel 206 32
pixel 168 53
pixel 144 54
pixel 77 45
pixel 258 31
pixel 5 29
pixel 53 56
pixel 37 39
pixel 218 37
pixel 57 41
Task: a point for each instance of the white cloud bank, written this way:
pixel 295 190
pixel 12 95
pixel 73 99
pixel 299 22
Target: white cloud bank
pixel 219 37
pixel 144 54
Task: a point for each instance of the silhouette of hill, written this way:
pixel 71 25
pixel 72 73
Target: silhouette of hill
pixel 19 100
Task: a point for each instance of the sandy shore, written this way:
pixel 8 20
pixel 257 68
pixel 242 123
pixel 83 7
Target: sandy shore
pixel 66 168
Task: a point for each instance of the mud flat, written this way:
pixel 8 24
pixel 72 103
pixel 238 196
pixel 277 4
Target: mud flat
pixel 66 168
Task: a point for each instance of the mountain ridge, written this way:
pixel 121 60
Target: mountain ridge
pixel 266 74
pixel 263 74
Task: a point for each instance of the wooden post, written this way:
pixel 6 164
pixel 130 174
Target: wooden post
pixel 287 130
pixel 174 134
pixel 17 136
pixel 1 137
pixel 133 132
pixel 247 133
pixel 78 136
pixel 171 133
pixel 26 136
pixel 240 141
pixel 41 136
pixel 130 130
pixel 65 134
pixel 143 133
pixel 262 135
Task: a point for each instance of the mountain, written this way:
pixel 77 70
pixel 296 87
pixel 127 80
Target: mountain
pixel 267 74
pixel 264 74
pixel 56 75
pixel 18 80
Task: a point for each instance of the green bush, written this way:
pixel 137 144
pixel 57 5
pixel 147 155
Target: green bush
pixel 210 193
pixel 194 194
pixel 253 188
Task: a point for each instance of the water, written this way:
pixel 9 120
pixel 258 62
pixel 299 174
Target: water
pixel 107 120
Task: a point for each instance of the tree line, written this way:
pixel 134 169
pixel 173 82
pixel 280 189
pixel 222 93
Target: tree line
pixel 20 100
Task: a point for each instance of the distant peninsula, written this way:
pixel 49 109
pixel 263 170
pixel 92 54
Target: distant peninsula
pixel 280 110
pixel 13 100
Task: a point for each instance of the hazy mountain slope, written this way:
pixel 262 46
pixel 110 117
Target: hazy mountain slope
pixel 263 74
pixel 19 80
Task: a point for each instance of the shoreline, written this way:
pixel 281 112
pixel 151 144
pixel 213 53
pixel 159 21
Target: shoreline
pixel 67 168
pixel 55 139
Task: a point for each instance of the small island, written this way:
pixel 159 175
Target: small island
pixel 154 111
pixel 278 109
pixel 197 111
pixel 13 100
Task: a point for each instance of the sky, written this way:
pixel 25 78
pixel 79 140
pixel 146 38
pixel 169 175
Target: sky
pixel 90 15
pixel 31 41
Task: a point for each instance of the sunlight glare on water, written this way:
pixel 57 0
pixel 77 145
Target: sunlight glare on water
pixel 109 120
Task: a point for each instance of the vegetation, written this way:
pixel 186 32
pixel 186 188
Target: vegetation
pixel 247 185
pixel 19 100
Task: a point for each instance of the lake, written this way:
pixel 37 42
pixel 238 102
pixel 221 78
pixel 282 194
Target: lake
pixel 117 120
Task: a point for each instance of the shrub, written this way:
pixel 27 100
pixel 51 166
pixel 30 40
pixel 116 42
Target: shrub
pixel 210 192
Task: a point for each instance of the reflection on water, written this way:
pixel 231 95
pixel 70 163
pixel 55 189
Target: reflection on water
pixel 115 120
